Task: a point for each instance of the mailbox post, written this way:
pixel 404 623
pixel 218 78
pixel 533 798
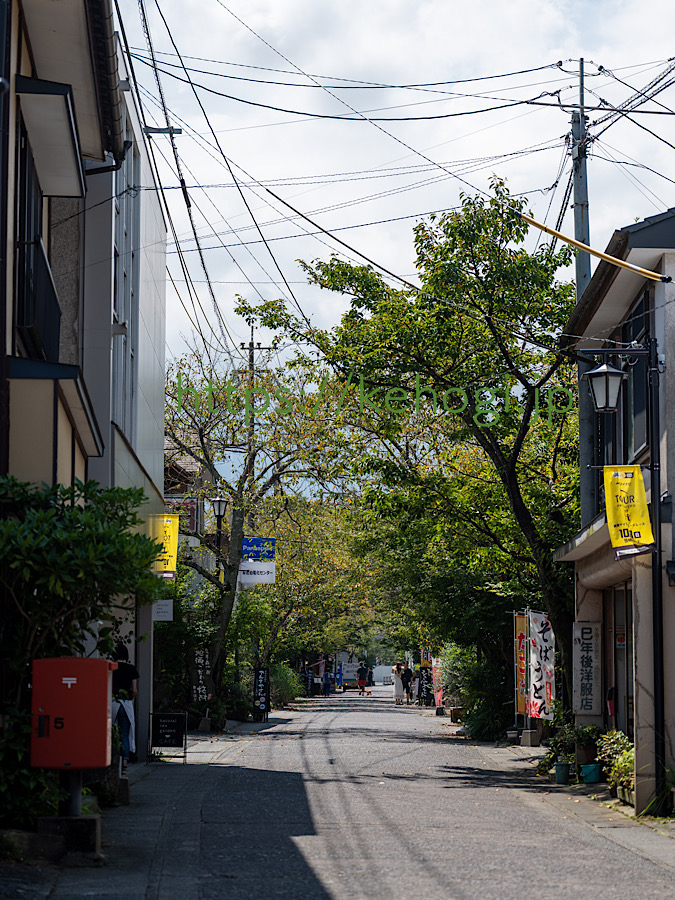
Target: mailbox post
pixel 72 720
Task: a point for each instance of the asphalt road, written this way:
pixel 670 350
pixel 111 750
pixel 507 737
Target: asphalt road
pixel 353 797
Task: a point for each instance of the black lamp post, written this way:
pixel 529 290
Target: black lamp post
pixel 605 383
pixel 219 510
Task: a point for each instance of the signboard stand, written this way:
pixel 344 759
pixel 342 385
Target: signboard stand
pixel 261 694
pixel 168 730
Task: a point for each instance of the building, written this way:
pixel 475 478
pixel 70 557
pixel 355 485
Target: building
pixel 618 308
pixel 82 271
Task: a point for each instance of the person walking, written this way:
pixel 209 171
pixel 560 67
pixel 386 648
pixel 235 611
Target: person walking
pixel 362 677
pixel 406 678
pixel 326 683
pixel 397 675
pixel 416 685
pixel 124 689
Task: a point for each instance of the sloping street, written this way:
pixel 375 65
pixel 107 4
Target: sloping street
pixel 354 797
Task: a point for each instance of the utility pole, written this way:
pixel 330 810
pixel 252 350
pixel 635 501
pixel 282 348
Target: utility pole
pixel 588 478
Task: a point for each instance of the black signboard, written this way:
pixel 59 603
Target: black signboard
pixel 261 694
pixel 169 730
pixel 426 690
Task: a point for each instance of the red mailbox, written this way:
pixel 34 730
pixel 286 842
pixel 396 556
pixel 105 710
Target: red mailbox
pixel 72 717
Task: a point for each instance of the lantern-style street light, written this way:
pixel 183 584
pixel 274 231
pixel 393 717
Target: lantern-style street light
pixel 605 383
pixel 219 509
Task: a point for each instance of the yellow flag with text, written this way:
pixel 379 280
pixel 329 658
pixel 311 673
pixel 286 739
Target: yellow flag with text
pixel 630 529
pixel 164 529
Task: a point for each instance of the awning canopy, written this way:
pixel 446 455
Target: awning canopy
pixel 48 112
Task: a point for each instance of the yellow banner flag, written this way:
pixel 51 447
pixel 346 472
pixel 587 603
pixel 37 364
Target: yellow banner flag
pixel 164 529
pixel 630 529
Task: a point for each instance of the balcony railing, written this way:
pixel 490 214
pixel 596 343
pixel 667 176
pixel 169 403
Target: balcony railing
pixel 38 309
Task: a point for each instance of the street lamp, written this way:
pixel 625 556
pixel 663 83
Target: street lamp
pixel 605 382
pixel 219 509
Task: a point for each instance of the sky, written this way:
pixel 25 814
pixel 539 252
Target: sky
pixel 368 180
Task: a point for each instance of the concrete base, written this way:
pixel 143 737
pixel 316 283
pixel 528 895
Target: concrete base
pixel 204 726
pixel 440 710
pixel 529 738
pixel 124 792
pixel 81 833
pixel 23 846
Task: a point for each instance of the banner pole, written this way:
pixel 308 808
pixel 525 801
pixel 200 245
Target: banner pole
pixel 515 669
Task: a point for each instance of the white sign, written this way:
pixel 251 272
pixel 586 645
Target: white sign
pixel 587 699
pixel 162 611
pixel 257 571
pixel 542 667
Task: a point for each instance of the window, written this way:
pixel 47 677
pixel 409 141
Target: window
pixel 38 314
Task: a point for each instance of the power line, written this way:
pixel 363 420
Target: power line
pixel 232 175
pixel 186 196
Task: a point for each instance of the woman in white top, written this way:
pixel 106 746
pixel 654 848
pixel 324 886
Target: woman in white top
pixel 398 684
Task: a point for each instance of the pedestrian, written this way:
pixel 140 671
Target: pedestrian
pixel 370 681
pixel 416 685
pixel 124 688
pixel 362 677
pixel 397 674
pixel 326 683
pixel 406 678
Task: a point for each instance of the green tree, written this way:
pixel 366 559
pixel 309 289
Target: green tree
pixel 479 335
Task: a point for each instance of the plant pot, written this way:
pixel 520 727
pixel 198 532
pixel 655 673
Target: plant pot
pixel 562 773
pixel 626 795
pixel 512 735
pixel 591 773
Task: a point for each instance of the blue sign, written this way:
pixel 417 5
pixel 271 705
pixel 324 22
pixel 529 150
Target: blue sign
pixel 258 548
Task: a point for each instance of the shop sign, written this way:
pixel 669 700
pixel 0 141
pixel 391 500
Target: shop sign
pixel 587 698
pixel 521 664
pixel 542 667
pixel 630 530
pixel 437 678
pixel 164 530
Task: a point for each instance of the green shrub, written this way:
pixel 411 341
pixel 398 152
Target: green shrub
pixel 610 747
pixel 25 792
pixel 285 685
pixel 623 769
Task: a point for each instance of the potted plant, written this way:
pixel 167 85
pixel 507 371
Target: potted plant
pixel 622 774
pixel 610 747
pixel 562 768
pixel 586 738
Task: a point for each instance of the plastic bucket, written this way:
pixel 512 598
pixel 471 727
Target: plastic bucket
pixel 562 773
pixel 591 773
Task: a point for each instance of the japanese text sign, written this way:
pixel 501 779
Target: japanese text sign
pixel 164 530
pixel 630 530
pixel 586 665
pixel 542 667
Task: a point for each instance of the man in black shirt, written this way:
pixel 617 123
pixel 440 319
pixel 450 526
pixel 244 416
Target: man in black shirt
pixel 362 677
pixel 406 678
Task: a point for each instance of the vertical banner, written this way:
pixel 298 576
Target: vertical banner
pixel 437 678
pixel 630 530
pixel 261 694
pixel 164 530
pixel 521 664
pixel 587 699
pixel 426 689
pixel 542 667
